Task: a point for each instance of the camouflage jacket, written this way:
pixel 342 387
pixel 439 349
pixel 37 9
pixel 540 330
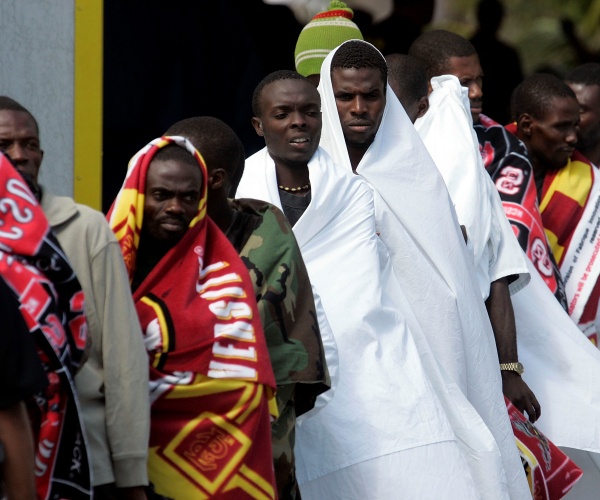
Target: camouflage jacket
pixel 265 242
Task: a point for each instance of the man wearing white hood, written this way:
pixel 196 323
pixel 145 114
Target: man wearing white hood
pixel 397 424
pixel 372 136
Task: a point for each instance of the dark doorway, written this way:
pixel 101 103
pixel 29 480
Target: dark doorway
pixel 164 61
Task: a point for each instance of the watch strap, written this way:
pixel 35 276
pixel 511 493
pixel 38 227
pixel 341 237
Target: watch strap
pixel 512 367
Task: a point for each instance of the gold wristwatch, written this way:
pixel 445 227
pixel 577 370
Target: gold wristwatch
pixel 512 367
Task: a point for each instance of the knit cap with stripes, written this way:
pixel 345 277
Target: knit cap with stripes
pixel 324 32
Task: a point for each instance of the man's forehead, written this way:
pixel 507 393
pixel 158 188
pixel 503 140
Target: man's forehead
pixel 172 162
pixel 585 91
pixel 559 109
pixel 290 86
pixel 348 76
pixel 457 65
pixel 283 93
pixel 15 120
pixel 563 104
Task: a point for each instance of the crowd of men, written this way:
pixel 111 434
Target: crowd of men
pixel 396 298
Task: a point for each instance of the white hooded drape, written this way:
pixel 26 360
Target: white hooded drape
pixel 447 132
pixel 417 223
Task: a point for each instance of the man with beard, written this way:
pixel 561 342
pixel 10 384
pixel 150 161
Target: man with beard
pixel 546 114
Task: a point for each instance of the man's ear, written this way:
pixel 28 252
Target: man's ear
pixel 257 124
pixel 524 124
pixel 423 106
pixel 217 178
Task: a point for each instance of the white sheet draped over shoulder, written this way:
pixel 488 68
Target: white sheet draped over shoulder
pixel 392 394
pixel 447 132
pixel 561 366
pixel 418 225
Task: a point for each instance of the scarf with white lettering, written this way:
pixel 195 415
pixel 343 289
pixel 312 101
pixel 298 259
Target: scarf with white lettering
pixel 211 381
pixel 51 302
pixel 570 211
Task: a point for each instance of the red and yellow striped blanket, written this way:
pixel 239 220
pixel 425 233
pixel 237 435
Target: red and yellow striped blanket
pixel 211 381
pixel 570 212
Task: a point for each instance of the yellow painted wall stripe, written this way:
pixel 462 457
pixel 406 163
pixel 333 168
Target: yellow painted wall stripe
pixel 89 21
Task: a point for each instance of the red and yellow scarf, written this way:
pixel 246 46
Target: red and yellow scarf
pixel 550 473
pixel 51 302
pixel 212 384
pixel 570 209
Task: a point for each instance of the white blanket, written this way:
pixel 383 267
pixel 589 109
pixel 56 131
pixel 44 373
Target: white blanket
pixel 447 132
pixel 418 225
pixel 562 366
pixel 392 395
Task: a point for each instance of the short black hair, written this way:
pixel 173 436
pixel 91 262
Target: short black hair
pixel 356 54
pixel 407 75
pixel 216 141
pixel 585 74
pixel 534 94
pixel 8 104
pixel 282 74
pixel 436 47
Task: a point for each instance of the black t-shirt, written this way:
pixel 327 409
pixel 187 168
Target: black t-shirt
pixel 21 372
pixel 294 206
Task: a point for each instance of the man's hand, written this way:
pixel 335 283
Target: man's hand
pixel 502 318
pixel 520 395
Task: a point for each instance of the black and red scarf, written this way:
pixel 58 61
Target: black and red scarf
pixel 505 159
pixel 51 301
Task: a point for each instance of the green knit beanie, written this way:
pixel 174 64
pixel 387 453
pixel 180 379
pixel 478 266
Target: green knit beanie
pixel 322 34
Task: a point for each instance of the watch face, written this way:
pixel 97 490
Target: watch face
pixel 520 368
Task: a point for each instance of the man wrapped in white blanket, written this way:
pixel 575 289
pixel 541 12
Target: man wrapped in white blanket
pixel 397 424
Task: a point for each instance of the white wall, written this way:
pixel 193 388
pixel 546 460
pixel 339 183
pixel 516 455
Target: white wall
pixel 36 69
